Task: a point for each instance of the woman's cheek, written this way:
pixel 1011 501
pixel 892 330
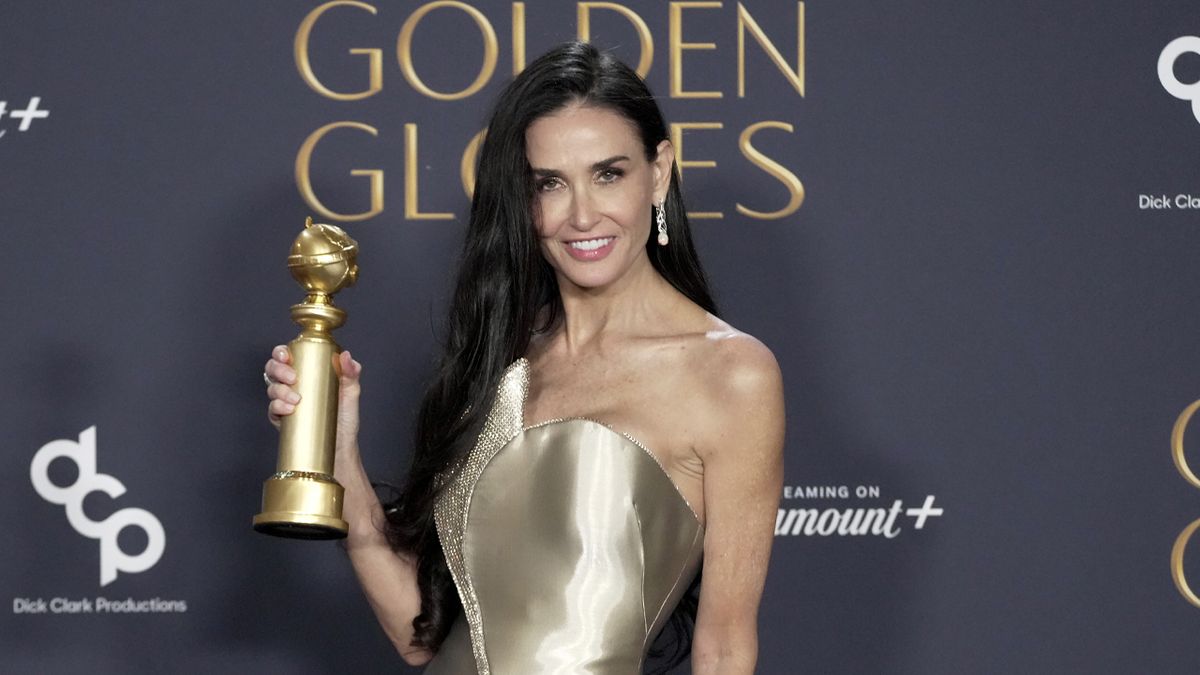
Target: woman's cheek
pixel 539 216
pixel 548 218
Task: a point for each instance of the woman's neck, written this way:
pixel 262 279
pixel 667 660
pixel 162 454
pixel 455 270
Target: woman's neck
pixel 630 305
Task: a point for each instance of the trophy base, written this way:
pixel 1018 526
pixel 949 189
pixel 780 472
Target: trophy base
pixel 302 505
pixel 285 525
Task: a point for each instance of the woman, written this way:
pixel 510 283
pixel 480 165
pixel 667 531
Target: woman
pixel 593 431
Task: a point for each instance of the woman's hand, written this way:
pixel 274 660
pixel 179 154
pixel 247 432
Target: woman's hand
pixel 388 578
pixel 283 398
pixel 282 376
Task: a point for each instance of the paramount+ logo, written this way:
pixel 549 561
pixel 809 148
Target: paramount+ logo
pixel 83 454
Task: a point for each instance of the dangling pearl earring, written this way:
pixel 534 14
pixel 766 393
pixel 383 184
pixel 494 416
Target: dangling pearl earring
pixel 661 216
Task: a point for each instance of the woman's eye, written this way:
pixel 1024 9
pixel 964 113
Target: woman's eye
pixel 548 184
pixel 608 175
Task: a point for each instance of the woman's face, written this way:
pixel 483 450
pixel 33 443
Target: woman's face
pixel 593 188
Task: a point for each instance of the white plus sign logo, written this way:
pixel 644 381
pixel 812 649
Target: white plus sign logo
pixel 31 112
pixel 922 513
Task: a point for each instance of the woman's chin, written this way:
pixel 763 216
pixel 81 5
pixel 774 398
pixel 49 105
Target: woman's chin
pixel 586 282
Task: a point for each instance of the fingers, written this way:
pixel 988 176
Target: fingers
pixel 279 368
pixel 277 410
pixel 348 387
pixel 283 393
pixel 348 369
pixel 347 423
pixel 283 398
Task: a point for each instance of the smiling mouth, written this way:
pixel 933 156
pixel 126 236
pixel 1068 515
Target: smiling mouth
pixel 590 244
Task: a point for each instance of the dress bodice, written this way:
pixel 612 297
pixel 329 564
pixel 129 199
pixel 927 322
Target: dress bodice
pixel 569 545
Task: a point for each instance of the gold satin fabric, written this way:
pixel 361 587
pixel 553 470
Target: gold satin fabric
pixel 569 545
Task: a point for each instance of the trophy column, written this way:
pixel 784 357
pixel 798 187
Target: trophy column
pixel 301 499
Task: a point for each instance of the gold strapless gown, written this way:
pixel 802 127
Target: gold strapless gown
pixel 569 545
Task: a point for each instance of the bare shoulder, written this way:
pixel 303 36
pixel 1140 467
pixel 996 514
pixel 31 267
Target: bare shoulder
pixel 742 390
pixel 738 364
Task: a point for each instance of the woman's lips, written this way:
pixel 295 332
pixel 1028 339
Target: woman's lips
pixel 589 250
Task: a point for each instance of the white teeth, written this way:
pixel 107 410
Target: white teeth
pixel 591 244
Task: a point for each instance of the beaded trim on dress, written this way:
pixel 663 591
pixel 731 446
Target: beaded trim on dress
pixel 504 422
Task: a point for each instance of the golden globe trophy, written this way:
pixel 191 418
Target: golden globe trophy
pixel 301 499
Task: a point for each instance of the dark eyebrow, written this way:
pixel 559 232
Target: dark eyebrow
pixel 598 166
pixel 605 163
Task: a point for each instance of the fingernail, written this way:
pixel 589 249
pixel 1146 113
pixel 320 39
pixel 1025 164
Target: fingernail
pixel 292 398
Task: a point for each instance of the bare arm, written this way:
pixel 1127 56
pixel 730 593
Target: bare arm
pixel 388 578
pixel 743 475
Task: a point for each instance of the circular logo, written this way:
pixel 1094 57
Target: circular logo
pixel 1166 71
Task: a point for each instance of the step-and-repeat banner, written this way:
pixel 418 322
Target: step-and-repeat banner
pixel 968 231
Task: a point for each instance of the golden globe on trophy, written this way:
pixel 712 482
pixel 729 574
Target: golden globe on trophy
pixel 301 499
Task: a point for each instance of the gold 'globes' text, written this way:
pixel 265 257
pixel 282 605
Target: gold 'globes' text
pixel 679 46
pixel 1181 541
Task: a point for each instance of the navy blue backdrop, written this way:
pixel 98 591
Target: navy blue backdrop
pixel 968 231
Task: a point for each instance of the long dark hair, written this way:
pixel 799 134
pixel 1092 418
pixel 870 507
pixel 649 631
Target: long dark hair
pixel 506 292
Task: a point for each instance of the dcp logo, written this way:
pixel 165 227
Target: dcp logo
pixel 1166 71
pixel 83 454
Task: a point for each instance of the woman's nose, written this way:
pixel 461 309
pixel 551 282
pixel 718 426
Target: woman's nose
pixel 584 214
